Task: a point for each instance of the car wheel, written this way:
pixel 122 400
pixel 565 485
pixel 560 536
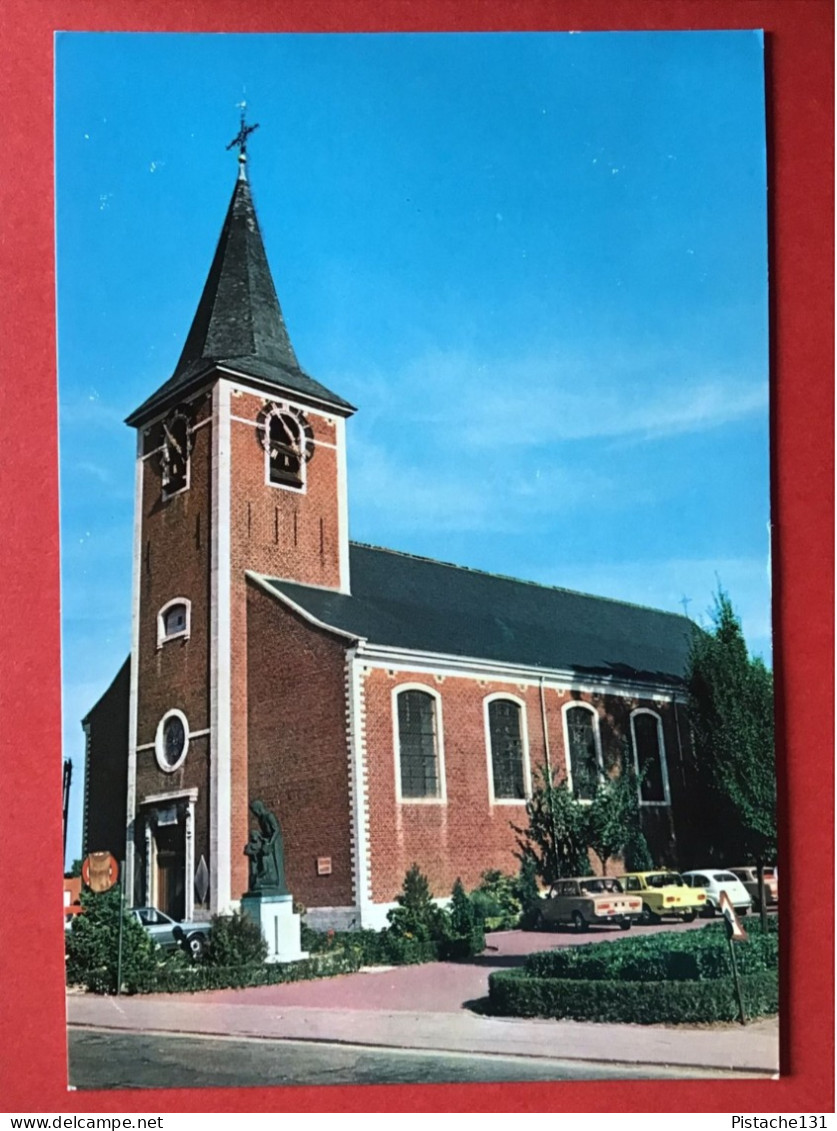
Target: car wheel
pixel 196 945
pixel 579 922
pixel 689 916
pixel 625 924
pixel 649 917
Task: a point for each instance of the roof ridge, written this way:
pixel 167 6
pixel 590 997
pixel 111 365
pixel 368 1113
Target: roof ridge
pixel 520 580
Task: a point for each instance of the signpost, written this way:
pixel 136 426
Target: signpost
pixel 100 871
pixel 735 933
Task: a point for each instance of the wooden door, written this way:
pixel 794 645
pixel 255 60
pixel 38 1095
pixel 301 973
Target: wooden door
pixel 171 870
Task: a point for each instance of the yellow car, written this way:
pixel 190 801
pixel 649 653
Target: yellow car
pixel 664 893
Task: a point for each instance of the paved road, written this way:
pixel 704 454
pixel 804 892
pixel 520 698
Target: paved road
pixel 104 1059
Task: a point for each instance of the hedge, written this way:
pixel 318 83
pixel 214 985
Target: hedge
pixel 514 993
pixel 201 976
pixel 688 956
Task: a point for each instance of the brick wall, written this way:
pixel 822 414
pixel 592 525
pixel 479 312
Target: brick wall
pixel 176 558
pixel 106 769
pixel 469 834
pixel 298 753
pixel 280 532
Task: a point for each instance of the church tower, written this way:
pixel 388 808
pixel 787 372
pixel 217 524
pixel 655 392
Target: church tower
pixel 241 465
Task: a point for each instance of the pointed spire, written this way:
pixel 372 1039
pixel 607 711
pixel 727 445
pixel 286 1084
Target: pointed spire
pixel 238 315
pixel 238 323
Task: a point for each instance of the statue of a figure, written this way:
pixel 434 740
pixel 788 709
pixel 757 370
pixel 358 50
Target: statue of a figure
pixel 266 853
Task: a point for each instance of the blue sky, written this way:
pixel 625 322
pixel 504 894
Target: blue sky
pixel 536 262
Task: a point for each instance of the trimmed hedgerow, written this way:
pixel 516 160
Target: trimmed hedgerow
pixel 193 979
pixel 663 978
pixel 689 956
pixel 514 993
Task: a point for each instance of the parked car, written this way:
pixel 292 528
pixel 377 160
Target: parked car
pixel 749 877
pixel 590 899
pixel 664 893
pixel 170 934
pixel 712 883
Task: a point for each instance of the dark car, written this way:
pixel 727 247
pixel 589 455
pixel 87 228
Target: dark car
pixel 170 934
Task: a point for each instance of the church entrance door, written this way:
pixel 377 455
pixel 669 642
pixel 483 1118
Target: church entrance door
pixel 171 869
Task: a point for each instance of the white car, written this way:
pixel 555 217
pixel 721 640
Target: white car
pixel 713 882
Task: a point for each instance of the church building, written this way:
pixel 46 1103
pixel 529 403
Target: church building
pixel 390 709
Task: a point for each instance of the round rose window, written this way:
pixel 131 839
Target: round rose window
pixel 172 740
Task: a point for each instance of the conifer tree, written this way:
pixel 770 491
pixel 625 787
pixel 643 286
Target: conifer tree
pixel 731 714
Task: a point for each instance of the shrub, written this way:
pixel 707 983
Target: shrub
pixel 702 954
pixel 92 944
pixel 193 978
pixel 236 940
pixel 466 936
pixel 528 894
pixel 417 916
pixel 502 891
pixel 514 993
pixel 668 977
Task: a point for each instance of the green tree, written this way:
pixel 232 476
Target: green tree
pixel 731 714
pixel 554 838
pixel 416 915
pixel 612 825
pixel 92 944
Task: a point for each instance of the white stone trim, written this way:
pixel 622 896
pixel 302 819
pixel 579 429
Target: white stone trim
pixel 159 741
pixel 190 796
pixel 663 759
pixel 255 424
pixel 184 634
pixel 133 699
pixel 524 745
pixel 171 795
pixel 442 797
pixel 358 788
pixel 220 832
pixel 284 410
pixel 597 738
pixel 342 508
pixel 304 400
pixel 475 667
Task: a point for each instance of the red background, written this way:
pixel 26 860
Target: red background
pixel 800 123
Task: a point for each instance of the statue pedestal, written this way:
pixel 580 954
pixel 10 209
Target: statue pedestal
pixel 279 923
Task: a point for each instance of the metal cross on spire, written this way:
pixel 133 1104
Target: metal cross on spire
pixel 241 139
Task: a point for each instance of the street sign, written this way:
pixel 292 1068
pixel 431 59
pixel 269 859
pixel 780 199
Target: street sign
pixel 99 871
pixel 736 930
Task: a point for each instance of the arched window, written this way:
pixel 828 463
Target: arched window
pixel 506 743
pixel 173 621
pixel 418 745
pixel 285 458
pixel 175 455
pixel 650 758
pixel 583 751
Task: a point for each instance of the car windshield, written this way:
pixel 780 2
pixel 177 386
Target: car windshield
pixel 593 887
pixel 664 879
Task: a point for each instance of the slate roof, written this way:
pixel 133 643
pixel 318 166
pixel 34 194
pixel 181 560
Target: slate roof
pixel 403 601
pixel 239 322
